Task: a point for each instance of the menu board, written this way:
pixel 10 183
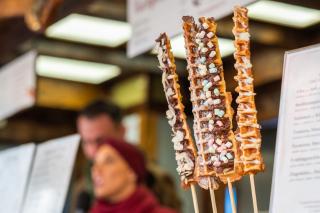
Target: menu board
pixel 18 83
pixel 15 165
pixel 50 176
pixel 296 177
pixel 150 18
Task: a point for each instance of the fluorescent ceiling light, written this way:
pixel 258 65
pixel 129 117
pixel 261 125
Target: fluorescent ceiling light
pixel 91 30
pixel 284 14
pixel 178 49
pixel 75 70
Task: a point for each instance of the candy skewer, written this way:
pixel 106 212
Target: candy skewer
pixel 185 150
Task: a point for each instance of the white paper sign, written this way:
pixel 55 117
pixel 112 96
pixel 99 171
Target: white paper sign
pixel 149 18
pixel 50 175
pixel 18 83
pixel 15 164
pixel 296 180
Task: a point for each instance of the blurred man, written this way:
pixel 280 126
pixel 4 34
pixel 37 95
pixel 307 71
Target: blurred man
pixel 96 122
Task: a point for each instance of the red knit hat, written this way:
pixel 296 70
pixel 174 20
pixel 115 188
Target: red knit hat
pixel 131 154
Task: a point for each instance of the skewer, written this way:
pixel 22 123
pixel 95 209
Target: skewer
pixel 233 205
pixel 213 201
pixel 253 192
pixel 194 199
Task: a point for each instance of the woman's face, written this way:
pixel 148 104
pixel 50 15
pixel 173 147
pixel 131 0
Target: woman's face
pixel 110 173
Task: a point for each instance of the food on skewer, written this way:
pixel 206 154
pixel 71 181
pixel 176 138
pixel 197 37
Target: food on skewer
pixel 185 150
pixel 226 161
pixel 205 174
pixel 248 131
pixel 217 149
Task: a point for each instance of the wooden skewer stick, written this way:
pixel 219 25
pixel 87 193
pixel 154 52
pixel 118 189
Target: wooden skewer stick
pixel 194 199
pixel 213 198
pixel 213 201
pixel 233 205
pixel 253 192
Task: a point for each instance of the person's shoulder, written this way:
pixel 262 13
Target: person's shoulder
pixel 162 209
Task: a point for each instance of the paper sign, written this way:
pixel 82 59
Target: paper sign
pixel 50 176
pixel 15 165
pixel 18 83
pixel 149 18
pixel 296 177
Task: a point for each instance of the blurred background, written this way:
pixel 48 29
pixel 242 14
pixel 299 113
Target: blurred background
pixel 81 56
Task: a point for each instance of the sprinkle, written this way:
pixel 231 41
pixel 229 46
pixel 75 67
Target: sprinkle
pixel 216 163
pixel 198 40
pixel 216 101
pixel 216 78
pixel 218 141
pixel 204 82
pixel 211 122
pixel 219 149
pixel 204 50
pixel 248 80
pixel 202 34
pixel 201 44
pixel 219 112
pixel 213 70
pixel 210 142
pixel 246 62
pixel 224 159
pixel 228 144
pixel 216 91
pixel 223 146
pixel 211 150
pixel 210 35
pixel 211 127
pixel 170 92
pixel 214 158
pixel 178 137
pixel 212 54
pixel 202 60
pixel 205 25
pixel 244 36
pixel 208 94
pixel 202 69
pixel 207 86
pixel 212 65
pixel 202 96
pixel 219 123
pixel 214 146
pixel 209 115
pixel 229 156
pixel 209 44
pixel 223 152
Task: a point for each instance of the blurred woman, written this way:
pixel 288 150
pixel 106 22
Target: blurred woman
pixel 118 174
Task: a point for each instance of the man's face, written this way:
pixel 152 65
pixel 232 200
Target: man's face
pixel 94 130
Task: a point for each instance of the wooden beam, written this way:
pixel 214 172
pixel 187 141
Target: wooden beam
pixel 59 94
pixel 37 125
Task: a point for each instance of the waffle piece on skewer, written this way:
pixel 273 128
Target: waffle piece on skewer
pixel 225 158
pixel 248 131
pixel 185 151
pixel 205 174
